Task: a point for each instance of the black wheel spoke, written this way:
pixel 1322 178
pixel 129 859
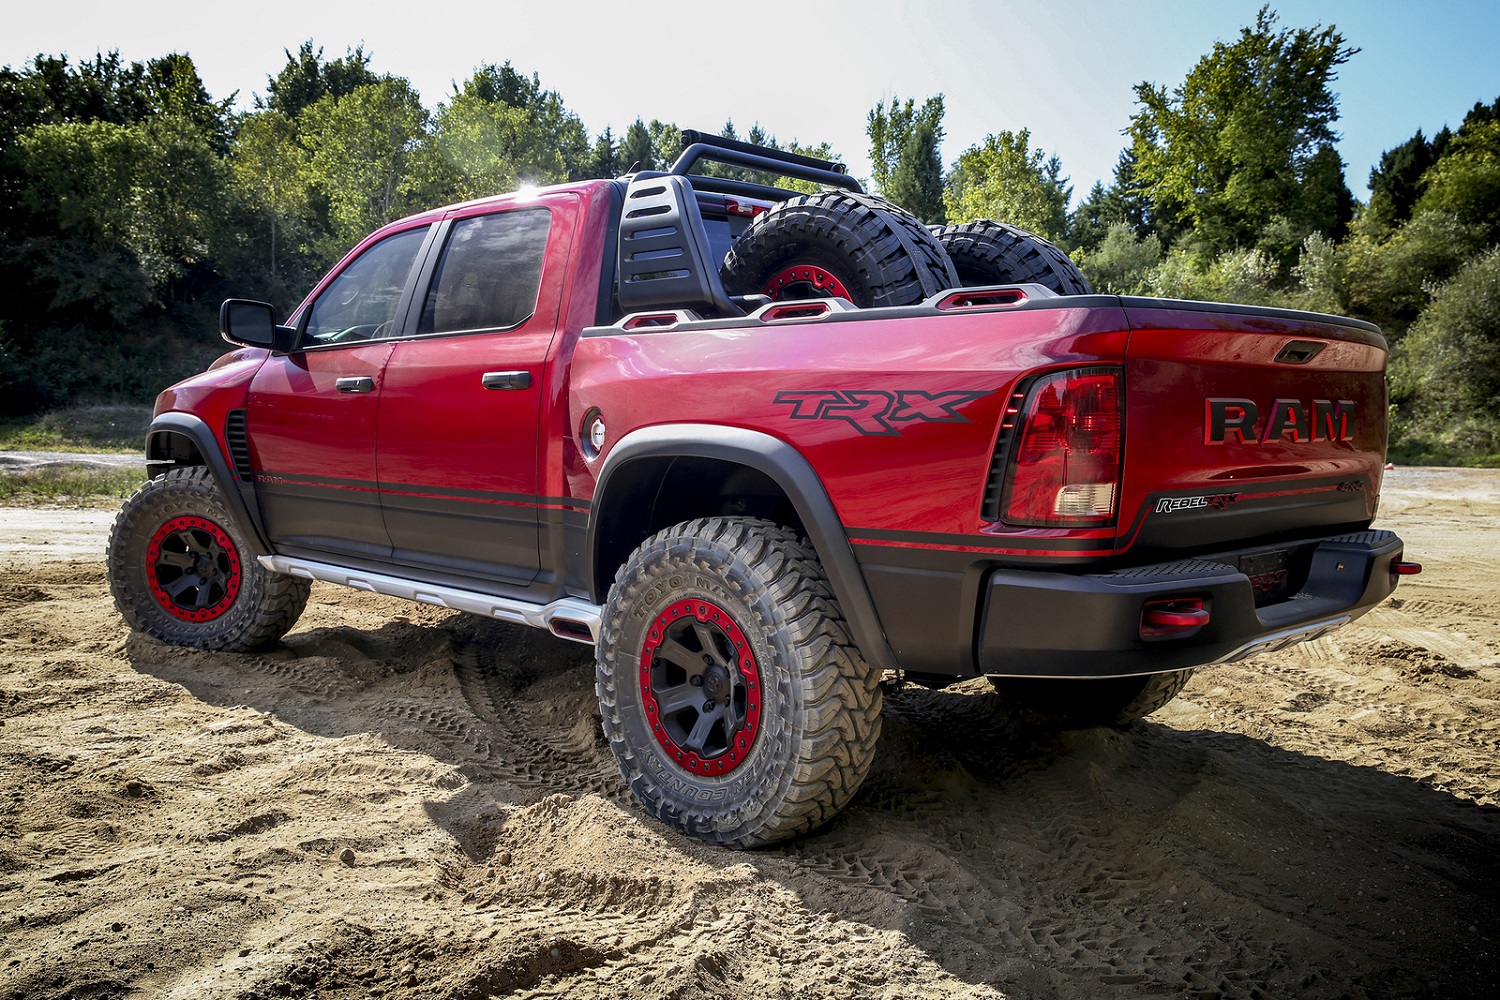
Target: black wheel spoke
pixel 674 652
pixel 702 729
pixel 177 560
pixel 674 699
pixel 176 587
pixel 708 640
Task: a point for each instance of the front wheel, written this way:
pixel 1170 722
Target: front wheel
pixel 179 571
pixel 734 700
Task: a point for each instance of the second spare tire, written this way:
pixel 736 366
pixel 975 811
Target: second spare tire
pixel 839 244
pixel 996 253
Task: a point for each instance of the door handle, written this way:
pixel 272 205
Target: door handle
pixel 355 383
pixel 507 380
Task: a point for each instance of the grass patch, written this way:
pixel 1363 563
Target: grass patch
pixel 69 484
pixel 78 428
pixel 1422 454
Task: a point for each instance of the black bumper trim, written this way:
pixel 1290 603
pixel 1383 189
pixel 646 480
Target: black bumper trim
pixel 1088 625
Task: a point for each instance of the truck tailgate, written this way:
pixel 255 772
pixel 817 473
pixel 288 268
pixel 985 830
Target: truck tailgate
pixel 1247 425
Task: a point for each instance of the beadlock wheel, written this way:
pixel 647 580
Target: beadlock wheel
pixel 180 571
pixel 700 687
pixel 193 568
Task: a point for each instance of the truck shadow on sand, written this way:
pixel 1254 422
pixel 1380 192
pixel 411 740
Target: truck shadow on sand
pixel 1153 860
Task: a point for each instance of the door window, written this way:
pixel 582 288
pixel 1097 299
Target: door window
pixel 489 273
pixel 360 304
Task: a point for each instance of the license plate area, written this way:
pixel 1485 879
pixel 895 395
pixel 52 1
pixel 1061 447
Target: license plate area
pixel 1276 574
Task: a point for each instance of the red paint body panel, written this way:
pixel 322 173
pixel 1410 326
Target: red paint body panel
pixel 928 477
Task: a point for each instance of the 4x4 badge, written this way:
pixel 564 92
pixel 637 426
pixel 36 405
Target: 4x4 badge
pixel 875 411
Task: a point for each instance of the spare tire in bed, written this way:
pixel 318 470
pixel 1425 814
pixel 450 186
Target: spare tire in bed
pixel 839 244
pixel 995 253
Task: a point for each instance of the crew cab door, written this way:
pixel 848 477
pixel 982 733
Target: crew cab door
pixel 311 413
pixel 460 405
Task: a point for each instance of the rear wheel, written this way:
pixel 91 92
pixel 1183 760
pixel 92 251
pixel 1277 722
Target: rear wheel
pixel 838 244
pixel 179 570
pixel 737 706
pixel 994 253
pixel 1070 704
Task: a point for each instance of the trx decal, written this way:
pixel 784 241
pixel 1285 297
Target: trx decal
pixel 875 411
pixel 1219 501
pixel 1267 582
pixel 1227 420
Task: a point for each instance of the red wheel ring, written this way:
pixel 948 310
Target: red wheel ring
pixel 805 281
pixel 193 568
pixel 700 687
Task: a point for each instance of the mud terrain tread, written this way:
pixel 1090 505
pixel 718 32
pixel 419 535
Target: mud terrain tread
pixel 833 726
pixel 269 603
pixel 986 252
pixel 884 254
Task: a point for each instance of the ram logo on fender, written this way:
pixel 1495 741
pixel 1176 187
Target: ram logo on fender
pixel 1228 420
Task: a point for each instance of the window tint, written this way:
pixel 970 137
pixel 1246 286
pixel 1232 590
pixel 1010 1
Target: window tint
pixel 489 273
pixel 361 302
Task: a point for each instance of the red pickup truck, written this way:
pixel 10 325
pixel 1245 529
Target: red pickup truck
pixel 762 449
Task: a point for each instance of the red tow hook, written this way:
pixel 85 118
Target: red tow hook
pixel 1170 617
pixel 1405 569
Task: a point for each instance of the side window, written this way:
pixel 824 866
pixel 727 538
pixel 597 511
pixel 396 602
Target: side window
pixel 488 276
pixel 361 302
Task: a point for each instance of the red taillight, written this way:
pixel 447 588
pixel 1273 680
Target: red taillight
pixel 1064 469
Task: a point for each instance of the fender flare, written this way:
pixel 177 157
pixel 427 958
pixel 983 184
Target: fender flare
pixel 786 467
pixel 195 429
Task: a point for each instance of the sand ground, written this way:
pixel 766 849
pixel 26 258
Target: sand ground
pixel 404 802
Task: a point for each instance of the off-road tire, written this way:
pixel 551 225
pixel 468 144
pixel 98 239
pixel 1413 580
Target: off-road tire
pixel 180 571
pixel 838 244
pixel 994 253
pixel 756 587
pixel 1081 704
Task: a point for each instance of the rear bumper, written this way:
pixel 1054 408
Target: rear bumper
pixel 1035 624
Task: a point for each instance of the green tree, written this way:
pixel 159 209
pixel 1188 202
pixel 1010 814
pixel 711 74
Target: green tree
pixel 635 149
pixel 1396 181
pixel 360 147
pixel 1123 262
pixel 1446 373
pixel 269 174
pixel 1006 180
pixel 502 130
pixel 604 161
pixel 1466 181
pixel 78 186
pixel 891 127
pixel 1247 135
pixel 666 143
pixel 917 183
pixel 307 78
pixel 1388 277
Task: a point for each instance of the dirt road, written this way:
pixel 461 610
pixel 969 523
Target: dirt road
pixel 403 802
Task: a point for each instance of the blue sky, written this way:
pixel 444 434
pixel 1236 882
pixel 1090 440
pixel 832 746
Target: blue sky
pixel 812 71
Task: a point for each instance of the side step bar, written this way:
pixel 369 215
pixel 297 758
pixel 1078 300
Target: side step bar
pixel 567 618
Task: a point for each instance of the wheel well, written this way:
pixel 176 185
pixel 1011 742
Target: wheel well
pixel 654 493
pixel 166 449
